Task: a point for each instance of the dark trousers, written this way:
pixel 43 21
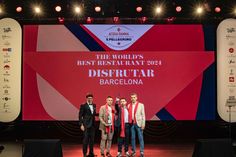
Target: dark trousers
pixel 124 140
pixel 89 134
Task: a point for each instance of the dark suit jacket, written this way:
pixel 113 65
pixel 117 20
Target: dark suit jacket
pixel 118 119
pixel 85 115
pixel 118 115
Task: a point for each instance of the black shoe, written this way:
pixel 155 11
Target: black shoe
pixel 91 155
pixel 133 154
pixel 108 154
pixel 102 155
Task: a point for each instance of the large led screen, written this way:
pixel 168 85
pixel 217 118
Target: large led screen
pixel 170 67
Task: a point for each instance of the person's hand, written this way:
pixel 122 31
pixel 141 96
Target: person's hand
pixel 143 127
pixel 82 127
pixel 117 99
pixel 106 124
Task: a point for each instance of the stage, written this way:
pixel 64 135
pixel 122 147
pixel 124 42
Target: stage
pixel 75 150
pixel 151 150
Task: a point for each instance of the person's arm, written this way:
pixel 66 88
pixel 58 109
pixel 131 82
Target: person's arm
pixel 101 116
pixel 117 108
pixel 143 116
pixel 81 117
pixel 81 114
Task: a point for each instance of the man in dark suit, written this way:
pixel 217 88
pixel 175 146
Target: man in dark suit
pixel 87 115
pixel 122 126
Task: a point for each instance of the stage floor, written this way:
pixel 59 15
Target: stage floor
pixel 158 150
pixel 75 150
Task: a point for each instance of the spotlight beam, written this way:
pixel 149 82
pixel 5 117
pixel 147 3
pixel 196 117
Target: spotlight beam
pixel 77 10
pixel 158 10
pixel 199 10
pixel 37 10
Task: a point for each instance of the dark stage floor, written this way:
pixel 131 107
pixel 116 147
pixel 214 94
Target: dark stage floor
pixel 14 149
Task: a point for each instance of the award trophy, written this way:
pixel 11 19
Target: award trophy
pixel 109 120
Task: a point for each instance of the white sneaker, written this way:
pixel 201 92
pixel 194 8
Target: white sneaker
pixel 119 154
pixel 127 154
pixel 141 154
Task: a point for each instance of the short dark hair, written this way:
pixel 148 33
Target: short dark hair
pixel 89 95
pixel 123 98
pixel 109 96
pixel 133 94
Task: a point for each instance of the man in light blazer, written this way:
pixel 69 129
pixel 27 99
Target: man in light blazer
pixel 137 120
pixel 107 118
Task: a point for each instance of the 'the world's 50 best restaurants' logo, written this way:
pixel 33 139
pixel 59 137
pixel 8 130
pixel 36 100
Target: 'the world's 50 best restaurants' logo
pixel 119 37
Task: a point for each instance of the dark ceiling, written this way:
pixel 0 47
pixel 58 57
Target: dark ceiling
pixel 124 9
